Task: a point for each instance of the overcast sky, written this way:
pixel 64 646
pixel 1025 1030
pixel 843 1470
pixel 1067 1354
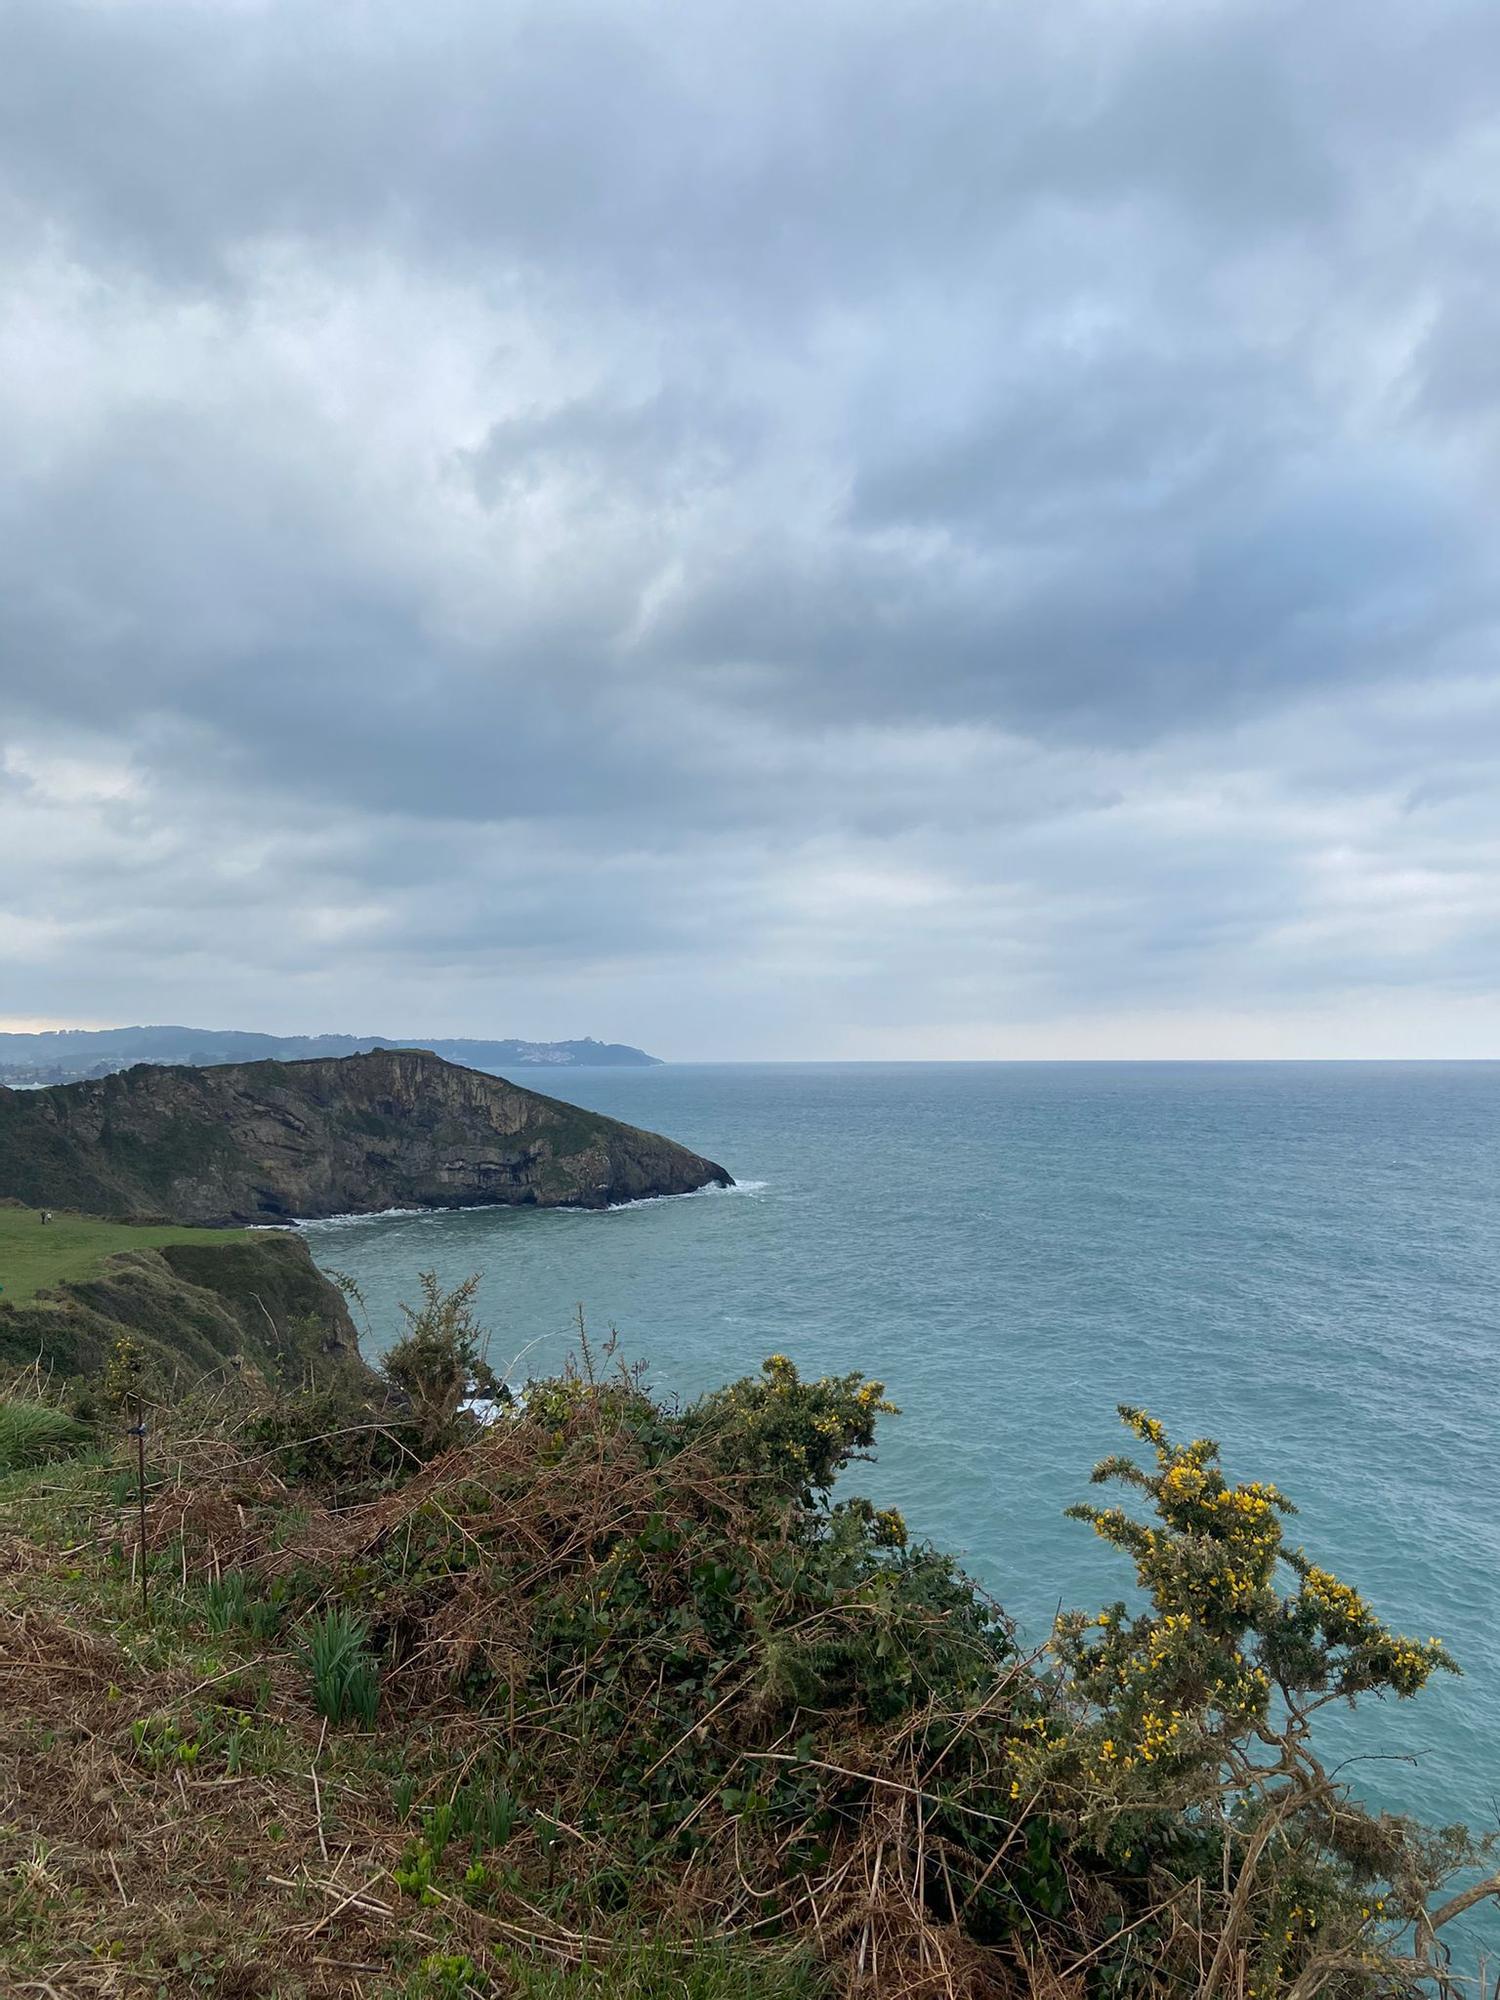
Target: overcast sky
pixel 795 528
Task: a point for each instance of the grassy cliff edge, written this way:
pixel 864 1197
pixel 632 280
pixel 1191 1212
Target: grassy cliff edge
pixel 189 1301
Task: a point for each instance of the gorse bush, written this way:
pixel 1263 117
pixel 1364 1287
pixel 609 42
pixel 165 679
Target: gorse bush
pixel 127 1374
pixel 357 1439
pixel 728 1697
pixel 440 1362
pixel 334 1442
pixel 1220 1640
pixel 793 1436
pixel 643 1671
pixel 1182 1738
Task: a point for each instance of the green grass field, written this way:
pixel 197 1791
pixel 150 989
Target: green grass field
pixel 34 1254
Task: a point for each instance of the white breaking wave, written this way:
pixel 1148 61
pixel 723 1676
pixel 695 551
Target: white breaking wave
pixel 479 1207
pixel 362 1215
pixel 490 1411
pixel 693 1194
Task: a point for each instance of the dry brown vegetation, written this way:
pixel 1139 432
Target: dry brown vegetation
pixel 637 1679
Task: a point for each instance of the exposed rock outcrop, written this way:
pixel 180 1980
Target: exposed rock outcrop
pixel 271 1141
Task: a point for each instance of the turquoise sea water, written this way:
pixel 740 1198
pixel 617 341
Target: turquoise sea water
pixel 1302 1260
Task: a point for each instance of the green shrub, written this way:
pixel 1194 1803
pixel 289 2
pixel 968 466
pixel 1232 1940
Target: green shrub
pixel 1183 1749
pixel 704 1669
pixel 336 1441
pixel 795 1436
pixel 439 1363
pixel 700 1687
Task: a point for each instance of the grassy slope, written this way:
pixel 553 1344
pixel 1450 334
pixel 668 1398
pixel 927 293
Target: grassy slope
pixel 36 1257
pixel 189 1300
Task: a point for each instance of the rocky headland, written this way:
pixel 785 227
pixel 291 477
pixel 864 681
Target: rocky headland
pixel 273 1142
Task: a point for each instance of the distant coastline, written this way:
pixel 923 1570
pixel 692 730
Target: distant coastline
pixel 76 1055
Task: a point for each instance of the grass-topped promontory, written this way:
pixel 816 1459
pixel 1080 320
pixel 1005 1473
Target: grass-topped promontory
pixel 37 1256
pixel 76 1292
pixel 619 1698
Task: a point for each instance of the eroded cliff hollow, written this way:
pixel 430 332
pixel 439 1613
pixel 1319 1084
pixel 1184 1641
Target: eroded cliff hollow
pixel 269 1141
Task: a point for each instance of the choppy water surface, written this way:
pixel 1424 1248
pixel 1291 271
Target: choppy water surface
pixel 1302 1260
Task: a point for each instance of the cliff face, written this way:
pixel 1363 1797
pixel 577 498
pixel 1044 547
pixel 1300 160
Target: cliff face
pixel 269 1141
pixel 190 1309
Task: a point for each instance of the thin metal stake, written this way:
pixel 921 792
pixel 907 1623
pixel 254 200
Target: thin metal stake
pixel 139 1434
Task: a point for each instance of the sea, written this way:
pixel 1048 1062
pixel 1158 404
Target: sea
pixel 1301 1260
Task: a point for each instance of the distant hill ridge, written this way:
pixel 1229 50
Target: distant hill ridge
pixel 273 1141
pixel 67 1055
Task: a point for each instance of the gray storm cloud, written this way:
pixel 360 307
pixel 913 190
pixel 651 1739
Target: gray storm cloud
pixel 930 529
